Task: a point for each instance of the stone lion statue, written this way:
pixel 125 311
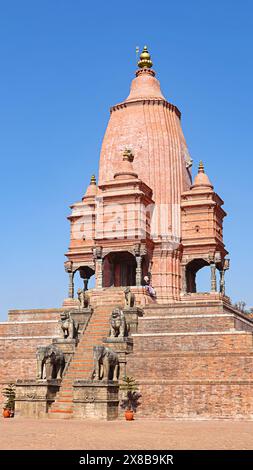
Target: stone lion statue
pixel 69 328
pixel 129 298
pixel 106 364
pixel 83 298
pixel 118 326
pixel 50 362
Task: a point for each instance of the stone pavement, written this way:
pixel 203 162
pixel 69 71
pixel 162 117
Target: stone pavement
pixel 21 433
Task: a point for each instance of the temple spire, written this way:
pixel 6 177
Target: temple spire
pixel 93 179
pixel 92 188
pixel 201 179
pixel 145 59
pixel 201 167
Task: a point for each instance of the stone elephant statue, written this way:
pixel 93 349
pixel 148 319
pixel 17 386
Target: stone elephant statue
pixel 106 364
pixel 50 362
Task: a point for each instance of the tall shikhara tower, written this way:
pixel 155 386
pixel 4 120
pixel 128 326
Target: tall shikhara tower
pixel 146 217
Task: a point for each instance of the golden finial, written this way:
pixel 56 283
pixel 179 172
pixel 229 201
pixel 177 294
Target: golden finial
pixel 201 167
pixel 127 155
pixel 93 180
pixel 145 59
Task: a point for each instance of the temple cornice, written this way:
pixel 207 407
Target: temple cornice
pixel 148 101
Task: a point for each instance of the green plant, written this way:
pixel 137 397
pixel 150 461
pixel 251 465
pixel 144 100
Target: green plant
pixel 132 395
pixel 9 393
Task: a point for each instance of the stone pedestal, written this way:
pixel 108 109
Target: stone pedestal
pixel 95 400
pixel 34 397
pixel 123 347
pixel 132 314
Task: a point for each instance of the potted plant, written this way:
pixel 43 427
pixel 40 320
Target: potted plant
pixel 9 405
pixel 130 402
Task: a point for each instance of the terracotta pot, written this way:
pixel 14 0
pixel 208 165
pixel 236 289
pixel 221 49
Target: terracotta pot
pixel 6 413
pixel 129 415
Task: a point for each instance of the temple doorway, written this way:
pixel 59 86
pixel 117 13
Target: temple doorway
pixel 119 269
pixel 192 269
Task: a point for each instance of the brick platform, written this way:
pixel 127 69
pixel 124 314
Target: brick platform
pixel 193 360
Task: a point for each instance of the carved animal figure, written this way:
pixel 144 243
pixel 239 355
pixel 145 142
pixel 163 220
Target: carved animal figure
pixel 83 298
pixel 129 298
pixel 106 364
pixel 118 326
pixel 50 362
pixel 69 328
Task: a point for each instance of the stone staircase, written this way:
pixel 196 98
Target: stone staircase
pixel 194 361
pixel 81 366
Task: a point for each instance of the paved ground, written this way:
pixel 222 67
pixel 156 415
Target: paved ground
pixel 21 433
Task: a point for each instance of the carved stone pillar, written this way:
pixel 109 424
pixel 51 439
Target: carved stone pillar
pixel 184 283
pixel 138 278
pixel 222 281
pixel 98 258
pixel 99 273
pixel 71 285
pixel 213 278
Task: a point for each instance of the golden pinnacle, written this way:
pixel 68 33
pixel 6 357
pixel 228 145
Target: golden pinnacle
pixel 93 180
pixel 145 59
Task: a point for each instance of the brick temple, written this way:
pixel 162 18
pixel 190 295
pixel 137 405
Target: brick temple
pixel 148 225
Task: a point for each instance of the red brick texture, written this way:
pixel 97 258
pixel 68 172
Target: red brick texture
pixel 19 339
pixel 194 361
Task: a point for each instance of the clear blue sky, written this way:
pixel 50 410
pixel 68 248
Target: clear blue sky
pixel 63 64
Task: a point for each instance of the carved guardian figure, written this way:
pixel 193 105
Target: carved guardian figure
pixel 129 298
pixel 50 362
pixel 69 328
pixel 118 326
pixel 83 298
pixel 106 364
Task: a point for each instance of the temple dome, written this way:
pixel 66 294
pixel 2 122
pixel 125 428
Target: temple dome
pixel 145 85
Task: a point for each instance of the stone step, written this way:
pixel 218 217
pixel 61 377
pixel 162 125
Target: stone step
pixel 60 414
pixel 82 363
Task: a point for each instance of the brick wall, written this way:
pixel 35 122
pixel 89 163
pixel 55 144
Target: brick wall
pixel 193 341
pixel 191 366
pixel 17 358
pixel 31 328
pixel 197 400
pixel 186 324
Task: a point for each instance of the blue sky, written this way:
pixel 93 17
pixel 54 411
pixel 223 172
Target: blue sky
pixel 63 64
